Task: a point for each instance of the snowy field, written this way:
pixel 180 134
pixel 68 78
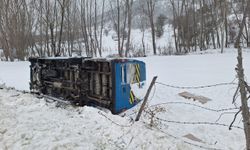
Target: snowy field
pixel 27 122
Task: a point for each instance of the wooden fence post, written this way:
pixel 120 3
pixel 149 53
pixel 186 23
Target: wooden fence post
pixel 145 99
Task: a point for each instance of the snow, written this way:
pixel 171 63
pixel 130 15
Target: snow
pixel 31 123
pixel 15 74
pixel 110 45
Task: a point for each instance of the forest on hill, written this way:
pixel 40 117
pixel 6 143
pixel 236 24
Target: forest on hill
pixel 84 27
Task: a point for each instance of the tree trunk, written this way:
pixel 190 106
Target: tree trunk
pixel 129 5
pixel 174 27
pixel 102 24
pixel 151 7
pixel 118 28
pixel 243 92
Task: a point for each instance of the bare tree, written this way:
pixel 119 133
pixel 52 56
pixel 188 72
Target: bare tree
pixel 84 26
pixel 242 84
pixel 102 26
pixel 96 47
pixel 63 4
pixel 15 29
pixel 143 25
pixel 150 14
pixel 129 5
pixel 118 27
pixel 222 5
pixel 119 17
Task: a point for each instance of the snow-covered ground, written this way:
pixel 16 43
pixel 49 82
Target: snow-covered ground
pixel 15 74
pixel 27 122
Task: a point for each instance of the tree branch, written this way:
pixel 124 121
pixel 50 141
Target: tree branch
pixel 235 94
pixel 235 116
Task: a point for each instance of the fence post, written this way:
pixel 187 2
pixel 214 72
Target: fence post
pixel 145 99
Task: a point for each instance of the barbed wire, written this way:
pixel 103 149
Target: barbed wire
pixel 195 87
pixel 186 142
pixel 206 108
pixel 124 126
pixel 196 123
pixel 224 113
pixel 175 137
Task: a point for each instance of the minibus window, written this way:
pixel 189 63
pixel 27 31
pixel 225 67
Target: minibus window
pixel 130 73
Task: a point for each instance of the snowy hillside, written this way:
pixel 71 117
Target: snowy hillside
pixel 31 123
pixel 164 44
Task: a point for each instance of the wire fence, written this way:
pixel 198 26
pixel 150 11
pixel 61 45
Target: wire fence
pixel 196 87
pixel 121 125
pixel 166 121
pixel 187 142
pixel 194 105
pixel 196 123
